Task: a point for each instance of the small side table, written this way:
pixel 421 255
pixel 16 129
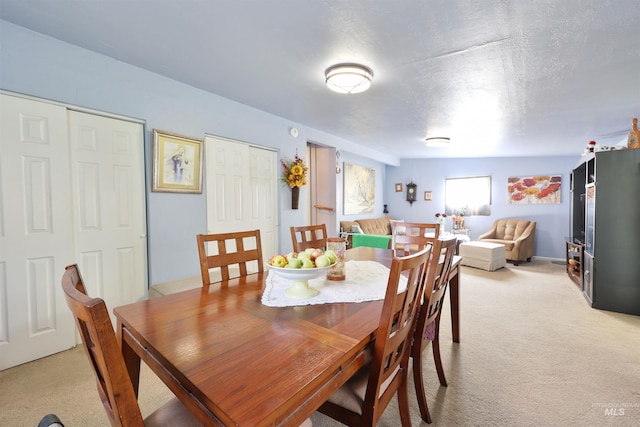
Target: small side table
pixel 347 237
pixel 460 238
pixel 466 231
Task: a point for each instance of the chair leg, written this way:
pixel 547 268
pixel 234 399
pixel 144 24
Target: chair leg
pixel 436 357
pixel 419 385
pixel 403 403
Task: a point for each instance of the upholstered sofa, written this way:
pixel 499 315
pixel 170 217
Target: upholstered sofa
pixel 517 235
pixel 380 225
pixel 368 231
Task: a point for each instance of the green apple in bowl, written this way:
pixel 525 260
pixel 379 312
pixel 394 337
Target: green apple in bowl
pixel 323 261
pixel 291 255
pixel 295 263
pixel 331 255
pixel 307 263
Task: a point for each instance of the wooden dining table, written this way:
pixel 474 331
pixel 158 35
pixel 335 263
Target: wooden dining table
pixel 233 361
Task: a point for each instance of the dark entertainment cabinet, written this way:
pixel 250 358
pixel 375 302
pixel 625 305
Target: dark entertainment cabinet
pixel 605 230
pixel 575 256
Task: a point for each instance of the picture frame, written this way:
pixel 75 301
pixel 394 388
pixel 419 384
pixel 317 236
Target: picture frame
pixel 428 196
pixel 177 163
pixel 359 189
pixel 399 187
pixel 534 189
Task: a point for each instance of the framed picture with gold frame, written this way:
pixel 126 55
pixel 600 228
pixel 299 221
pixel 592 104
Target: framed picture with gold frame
pixel 177 163
pixel 428 196
pixel 399 187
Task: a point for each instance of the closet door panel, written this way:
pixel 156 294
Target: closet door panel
pixel 108 186
pixel 35 230
pixel 241 197
pixel 71 191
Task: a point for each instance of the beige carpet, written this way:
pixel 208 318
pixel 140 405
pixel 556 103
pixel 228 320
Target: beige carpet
pixel 532 354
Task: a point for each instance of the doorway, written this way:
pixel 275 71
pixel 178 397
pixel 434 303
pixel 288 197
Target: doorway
pixel 323 165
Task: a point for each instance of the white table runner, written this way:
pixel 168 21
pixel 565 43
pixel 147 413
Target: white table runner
pixel 365 281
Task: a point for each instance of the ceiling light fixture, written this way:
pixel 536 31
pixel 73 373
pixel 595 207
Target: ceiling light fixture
pixel 438 141
pixel 348 78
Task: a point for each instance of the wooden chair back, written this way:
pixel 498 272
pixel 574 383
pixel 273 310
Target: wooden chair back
pixel 242 249
pixel 386 375
pixel 428 323
pixel 309 236
pixel 101 346
pixel 410 237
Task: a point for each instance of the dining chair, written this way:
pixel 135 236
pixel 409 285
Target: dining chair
pixel 309 236
pixel 364 397
pixel 428 323
pixel 408 237
pixel 239 250
pixel 101 346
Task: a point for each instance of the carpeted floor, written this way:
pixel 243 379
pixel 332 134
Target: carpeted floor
pixel 532 353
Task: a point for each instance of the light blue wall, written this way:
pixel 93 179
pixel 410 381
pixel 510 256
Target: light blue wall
pixel 43 67
pixel 429 174
pixel 40 66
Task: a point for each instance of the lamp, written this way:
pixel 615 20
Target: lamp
pixel 348 78
pixel 438 141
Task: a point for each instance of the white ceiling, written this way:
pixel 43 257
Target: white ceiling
pixel 500 77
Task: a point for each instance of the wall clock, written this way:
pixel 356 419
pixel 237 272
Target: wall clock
pixel 411 192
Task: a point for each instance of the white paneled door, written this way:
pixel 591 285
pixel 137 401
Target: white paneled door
pixel 264 198
pixel 110 241
pixel 35 232
pixel 241 183
pixel 71 185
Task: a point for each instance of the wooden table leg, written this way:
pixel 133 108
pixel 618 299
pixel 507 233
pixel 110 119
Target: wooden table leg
pixel 454 299
pixel 131 358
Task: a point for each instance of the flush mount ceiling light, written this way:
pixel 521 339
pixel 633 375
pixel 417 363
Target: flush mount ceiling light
pixel 438 141
pixel 348 78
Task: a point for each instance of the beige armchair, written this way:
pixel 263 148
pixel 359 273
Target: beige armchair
pixel 517 235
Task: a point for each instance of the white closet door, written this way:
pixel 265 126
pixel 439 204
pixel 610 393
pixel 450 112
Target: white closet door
pixel 228 196
pixel 264 197
pixel 241 190
pixel 35 230
pixel 107 165
pixel 71 191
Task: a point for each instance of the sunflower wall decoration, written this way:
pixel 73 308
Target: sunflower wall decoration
pixel 294 174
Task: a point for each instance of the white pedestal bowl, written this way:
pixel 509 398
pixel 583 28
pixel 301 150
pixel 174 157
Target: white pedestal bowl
pixel 300 280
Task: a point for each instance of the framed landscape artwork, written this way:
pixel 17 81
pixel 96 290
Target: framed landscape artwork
pixel 177 163
pixel 359 189
pixel 537 189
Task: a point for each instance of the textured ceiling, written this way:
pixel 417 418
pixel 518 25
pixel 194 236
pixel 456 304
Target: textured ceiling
pixel 500 78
